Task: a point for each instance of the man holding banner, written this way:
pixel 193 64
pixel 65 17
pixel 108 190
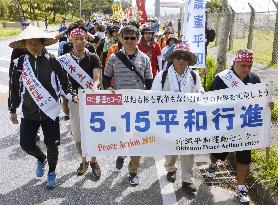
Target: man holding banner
pixel 83 69
pixel 36 81
pixel 131 69
pixel 238 76
pixel 180 78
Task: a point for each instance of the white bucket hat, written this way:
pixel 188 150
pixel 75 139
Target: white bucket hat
pixel 32 32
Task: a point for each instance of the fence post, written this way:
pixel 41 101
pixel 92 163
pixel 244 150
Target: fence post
pixel 232 30
pixel 251 27
pixel 275 42
pixel 223 42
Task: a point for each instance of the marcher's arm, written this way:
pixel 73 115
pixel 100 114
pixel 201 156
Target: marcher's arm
pixel 96 77
pixel 14 91
pixel 156 84
pixel 14 94
pixel 199 87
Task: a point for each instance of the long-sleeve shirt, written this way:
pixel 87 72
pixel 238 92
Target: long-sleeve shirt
pixel 152 52
pixel 52 77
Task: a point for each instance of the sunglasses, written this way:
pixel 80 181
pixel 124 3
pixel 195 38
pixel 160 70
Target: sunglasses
pixel 182 57
pixel 129 37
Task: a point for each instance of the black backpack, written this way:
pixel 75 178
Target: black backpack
pixel 210 34
pixel 165 72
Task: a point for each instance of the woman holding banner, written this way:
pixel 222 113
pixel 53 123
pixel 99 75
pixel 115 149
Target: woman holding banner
pixel 180 78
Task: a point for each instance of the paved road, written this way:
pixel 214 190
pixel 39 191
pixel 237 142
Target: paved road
pixel 20 186
pixel 5 53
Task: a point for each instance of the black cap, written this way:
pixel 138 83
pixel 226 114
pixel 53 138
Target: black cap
pixel 146 30
pixel 115 28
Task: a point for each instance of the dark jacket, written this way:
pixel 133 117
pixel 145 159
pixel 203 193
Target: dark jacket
pixel 219 84
pixel 49 73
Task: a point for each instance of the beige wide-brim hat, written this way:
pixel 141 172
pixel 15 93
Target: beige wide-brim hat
pixel 32 32
pixel 182 48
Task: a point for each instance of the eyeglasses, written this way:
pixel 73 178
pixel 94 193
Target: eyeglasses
pixel 182 57
pixel 129 37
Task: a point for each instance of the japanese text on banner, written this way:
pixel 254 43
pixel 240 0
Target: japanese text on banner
pixel 136 122
pixel 194 29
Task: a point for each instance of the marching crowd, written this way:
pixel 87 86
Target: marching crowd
pixel 108 56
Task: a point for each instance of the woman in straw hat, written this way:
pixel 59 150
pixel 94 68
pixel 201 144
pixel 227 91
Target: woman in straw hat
pixel 35 83
pixel 180 78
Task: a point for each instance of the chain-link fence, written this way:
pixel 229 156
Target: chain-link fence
pixel 261 36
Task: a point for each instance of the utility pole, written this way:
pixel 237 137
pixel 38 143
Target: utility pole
pixel 157 9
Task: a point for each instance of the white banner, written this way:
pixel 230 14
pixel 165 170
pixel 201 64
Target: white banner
pixel 194 29
pixel 137 122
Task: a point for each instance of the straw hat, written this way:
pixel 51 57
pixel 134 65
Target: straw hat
pixel 32 32
pixel 182 48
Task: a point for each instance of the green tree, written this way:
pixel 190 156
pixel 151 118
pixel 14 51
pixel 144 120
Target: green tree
pixel 126 4
pixel 214 6
pixel 101 6
pixel 3 8
pixel 41 9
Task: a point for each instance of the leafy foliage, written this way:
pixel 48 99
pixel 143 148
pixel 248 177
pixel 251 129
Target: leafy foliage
pixel 41 9
pixel 268 172
pixel 211 67
pixel 214 6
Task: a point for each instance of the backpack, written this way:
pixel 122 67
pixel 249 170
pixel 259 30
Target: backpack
pixel 165 72
pixel 210 34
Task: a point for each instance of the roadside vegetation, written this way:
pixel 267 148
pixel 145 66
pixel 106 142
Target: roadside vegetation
pixel 9 32
pixel 211 72
pixel 267 172
pixel 6 32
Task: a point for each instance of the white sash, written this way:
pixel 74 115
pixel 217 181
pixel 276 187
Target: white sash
pixel 38 93
pixel 230 79
pixel 75 71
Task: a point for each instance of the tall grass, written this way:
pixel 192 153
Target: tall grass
pixel 262 46
pixel 268 172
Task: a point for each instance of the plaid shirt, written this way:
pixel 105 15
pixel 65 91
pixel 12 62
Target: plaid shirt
pixel 124 78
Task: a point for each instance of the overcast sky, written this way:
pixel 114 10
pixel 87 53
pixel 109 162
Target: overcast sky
pixel 238 5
